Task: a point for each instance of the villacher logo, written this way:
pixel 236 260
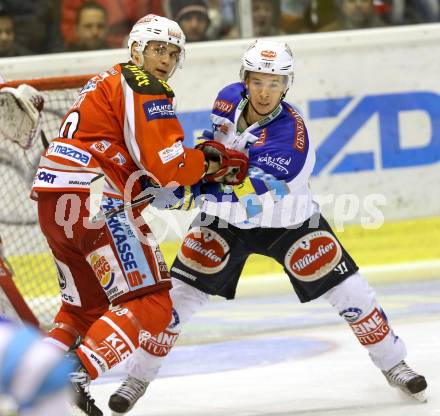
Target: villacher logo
pixel 313 256
pixel 204 251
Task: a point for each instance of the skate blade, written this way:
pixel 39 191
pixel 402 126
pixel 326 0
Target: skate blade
pixel 420 396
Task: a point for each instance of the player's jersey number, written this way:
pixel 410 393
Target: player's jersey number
pixel 70 125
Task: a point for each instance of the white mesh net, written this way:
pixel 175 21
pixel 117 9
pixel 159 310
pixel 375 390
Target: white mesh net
pixel 24 245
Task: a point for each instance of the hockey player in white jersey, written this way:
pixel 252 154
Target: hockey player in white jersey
pixel 273 213
pixel 33 374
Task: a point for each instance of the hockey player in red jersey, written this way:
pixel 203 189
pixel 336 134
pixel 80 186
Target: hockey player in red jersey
pixel 122 122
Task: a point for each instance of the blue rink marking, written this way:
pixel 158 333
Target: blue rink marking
pixel 210 330
pixel 239 354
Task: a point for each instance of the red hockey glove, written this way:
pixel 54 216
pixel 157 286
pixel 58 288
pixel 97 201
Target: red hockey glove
pixel 233 165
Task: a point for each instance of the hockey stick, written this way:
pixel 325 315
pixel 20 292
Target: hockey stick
pixel 96 195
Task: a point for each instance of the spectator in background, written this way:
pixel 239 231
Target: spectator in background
pixel 36 24
pixel 91 28
pixel 295 16
pixel 222 14
pixel 353 14
pixel 193 18
pixel 8 47
pixel 414 11
pixel 122 15
pixel 265 19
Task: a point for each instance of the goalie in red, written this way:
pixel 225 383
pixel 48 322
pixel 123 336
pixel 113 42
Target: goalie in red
pixel 122 128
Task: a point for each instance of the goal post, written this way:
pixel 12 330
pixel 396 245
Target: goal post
pixel 25 249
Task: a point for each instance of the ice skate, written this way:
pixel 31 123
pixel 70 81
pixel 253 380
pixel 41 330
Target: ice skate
pixel 80 381
pixel 126 396
pixel 407 380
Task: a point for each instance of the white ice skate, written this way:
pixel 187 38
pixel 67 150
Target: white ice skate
pixel 407 380
pixel 126 396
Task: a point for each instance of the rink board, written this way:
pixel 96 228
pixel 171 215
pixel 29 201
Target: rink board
pixel 380 252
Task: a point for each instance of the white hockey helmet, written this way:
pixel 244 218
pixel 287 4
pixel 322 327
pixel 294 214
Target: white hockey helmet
pixel 268 57
pixel 158 28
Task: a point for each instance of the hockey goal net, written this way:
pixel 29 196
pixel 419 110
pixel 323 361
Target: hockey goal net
pixel 24 247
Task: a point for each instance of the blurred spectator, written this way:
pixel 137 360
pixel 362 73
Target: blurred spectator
pixel 36 24
pixel 91 28
pixel 222 14
pixel 414 11
pixel 322 13
pixel 122 15
pixel 8 47
pixel 295 16
pixel 353 14
pixel 265 19
pixel 193 18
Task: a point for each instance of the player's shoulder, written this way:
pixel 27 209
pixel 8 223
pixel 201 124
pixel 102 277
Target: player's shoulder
pixel 291 111
pixel 142 82
pixel 228 99
pixel 289 121
pixel 232 92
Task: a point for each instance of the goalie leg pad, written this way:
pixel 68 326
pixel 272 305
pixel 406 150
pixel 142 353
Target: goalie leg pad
pixel 356 302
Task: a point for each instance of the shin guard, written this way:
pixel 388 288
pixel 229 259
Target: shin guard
pixel 356 302
pixel 117 334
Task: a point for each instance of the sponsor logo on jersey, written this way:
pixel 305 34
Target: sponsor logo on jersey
pixel 204 250
pixel 299 142
pixel 102 270
pixel 113 349
pixel 268 54
pixel 158 109
pixel 140 76
pixel 262 139
pixel 122 233
pixel 45 176
pixel 279 163
pixel 67 151
pixel 61 278
pixel 119 159
pixel 160 345
pixel 165 85
pixel 69 292
pixel 351 314
pixel 372 329
pixel 175 320
pixel 163 268
pixel 101 146
pixel 313 256
pixel 170 153
pixel 90 86
pixel 223 106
